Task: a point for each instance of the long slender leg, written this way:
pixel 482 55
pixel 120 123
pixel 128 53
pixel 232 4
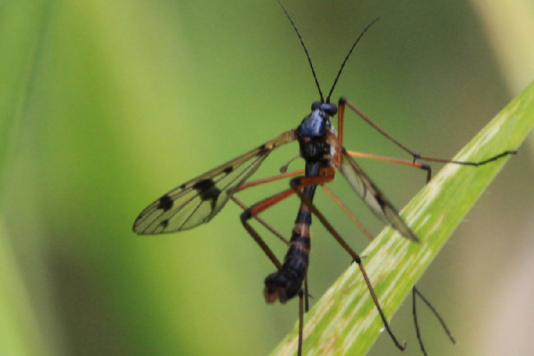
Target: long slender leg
pixel 348 212
pixel 404 162
pixel 252 212
pixel 269 179
pixel 273 200
pixel 261 221
pixel 301 321
pixel 416 156
pixel 306 296
pixel 255 210
pixel 300 182
pixel 440 319
pixel 264 181
pixel 296 185
pixel 303 296
pixel 414 314
pixel 284 240
pixel 415 291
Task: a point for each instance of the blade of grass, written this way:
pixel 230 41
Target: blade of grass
pixel 345 320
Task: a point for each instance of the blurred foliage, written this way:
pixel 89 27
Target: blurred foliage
pixel 107 105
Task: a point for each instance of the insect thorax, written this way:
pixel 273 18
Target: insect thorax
pixel 312 134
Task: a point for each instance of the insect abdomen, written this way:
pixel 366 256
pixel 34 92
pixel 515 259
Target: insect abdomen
pixel 286 282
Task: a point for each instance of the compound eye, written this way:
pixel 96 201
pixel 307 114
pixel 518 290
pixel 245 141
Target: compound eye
pixel 330 109
pixel 317 105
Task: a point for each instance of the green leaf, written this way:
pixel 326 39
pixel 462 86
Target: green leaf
pixel 345 320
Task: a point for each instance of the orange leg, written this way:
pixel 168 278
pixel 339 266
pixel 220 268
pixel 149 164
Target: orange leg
pixel 265 205
pixel 264 181
pixel 348 212
pixel 256 237
pixel 269 179
pixel 413 164
pixel 416 156
pixel 262 222
pixel 257 208
pixel 253 211
pixel 297 184
pixel 415 291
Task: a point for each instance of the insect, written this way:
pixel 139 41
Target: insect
pixel 321 147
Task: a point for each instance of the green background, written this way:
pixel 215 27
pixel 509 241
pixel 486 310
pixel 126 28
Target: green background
pixel 107 105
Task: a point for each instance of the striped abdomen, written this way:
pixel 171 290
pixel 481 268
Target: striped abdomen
pixel 286 282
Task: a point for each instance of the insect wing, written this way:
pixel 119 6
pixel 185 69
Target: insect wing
pixel 199 200
pixel 372 196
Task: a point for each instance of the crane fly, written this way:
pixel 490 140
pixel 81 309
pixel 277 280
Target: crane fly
pixel 199 200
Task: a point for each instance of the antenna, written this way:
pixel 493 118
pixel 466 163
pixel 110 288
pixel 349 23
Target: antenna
pixel 348 55
pixel 308 55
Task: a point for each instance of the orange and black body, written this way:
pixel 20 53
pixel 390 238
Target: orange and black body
pixel 318 155
pixel 286 283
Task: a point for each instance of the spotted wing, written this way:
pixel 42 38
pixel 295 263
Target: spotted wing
pixel 372 196
pixel 199 200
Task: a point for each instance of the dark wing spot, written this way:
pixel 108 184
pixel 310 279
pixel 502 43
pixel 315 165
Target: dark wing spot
pixel 164 223
pixel 207 190
pixel 228 169
pixel 165 203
